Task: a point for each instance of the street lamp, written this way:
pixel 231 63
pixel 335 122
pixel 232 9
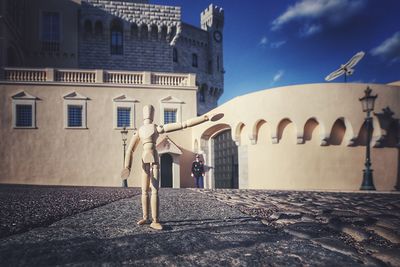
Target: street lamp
pixel 124 135
pixel 367 102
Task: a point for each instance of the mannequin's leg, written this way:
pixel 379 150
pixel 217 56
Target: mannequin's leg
pixel 154 199
pixel 145 194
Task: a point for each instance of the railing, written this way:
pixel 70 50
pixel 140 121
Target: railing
pixel 75 76
pixel 99 77
pixel 25 75
pixel 167 79
pixel 123 77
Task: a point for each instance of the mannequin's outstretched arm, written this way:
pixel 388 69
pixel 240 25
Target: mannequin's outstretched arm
pixel 170 127
pixel 129 155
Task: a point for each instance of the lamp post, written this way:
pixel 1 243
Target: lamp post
pixel 368 102
pixel 124 134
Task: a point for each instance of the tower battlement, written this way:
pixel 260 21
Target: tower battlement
pixel 212 16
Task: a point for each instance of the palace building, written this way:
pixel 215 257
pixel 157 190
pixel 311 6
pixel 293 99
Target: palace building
pixel 74 73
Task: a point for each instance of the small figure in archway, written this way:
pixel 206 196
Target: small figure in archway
pixel 198 171
pixel 148 134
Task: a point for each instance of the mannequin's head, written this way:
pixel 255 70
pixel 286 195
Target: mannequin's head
pixel 148 114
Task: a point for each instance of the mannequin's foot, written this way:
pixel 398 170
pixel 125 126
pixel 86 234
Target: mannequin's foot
pixel 156 225
pixel 143 221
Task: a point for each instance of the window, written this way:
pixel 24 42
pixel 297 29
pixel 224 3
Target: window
pixel 88 27
pixel 23 115
pixel 98 28
pixel 123 117
pixel 124 112
pixel 75 111
pixel 50 31
pixel 169 116
pixel 75 116
pixel 194 60
pixel 171 110
pixel 217 63
pixel 117 38
pixel 210 67
pixel 24 110
pixel 175 55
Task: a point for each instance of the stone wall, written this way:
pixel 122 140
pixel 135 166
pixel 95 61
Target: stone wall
pixel 148 32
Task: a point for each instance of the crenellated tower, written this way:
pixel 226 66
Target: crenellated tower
pixel 212 21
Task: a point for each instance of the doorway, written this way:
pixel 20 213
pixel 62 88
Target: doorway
pixel 225 161
pixel 166 170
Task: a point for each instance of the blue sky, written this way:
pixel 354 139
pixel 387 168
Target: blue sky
pixel 276 43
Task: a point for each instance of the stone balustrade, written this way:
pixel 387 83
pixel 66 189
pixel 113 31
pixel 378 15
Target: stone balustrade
pixel 167 79
pixel 99 77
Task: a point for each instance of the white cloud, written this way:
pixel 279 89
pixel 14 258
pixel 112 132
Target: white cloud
pixel 329 12
pixel 389 49
pixel 310 29
pixel 277 44
pixel 278 76
pixel 263 41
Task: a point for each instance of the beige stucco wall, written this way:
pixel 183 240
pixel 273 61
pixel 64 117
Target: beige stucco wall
pixel 51 154
pixel 269 161
pixel 276 148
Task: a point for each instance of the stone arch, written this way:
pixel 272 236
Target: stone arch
pixel 254 136
pixel 87 26
pixel 134 31
pixel 163 32
pixel 116 36
pixel 282 125
pixel 202 92
pixel 211 146
pixel 144 31
pixel 153 32
pixel 309 127
pixel 238 132
pixel 98 27
pixel 338 132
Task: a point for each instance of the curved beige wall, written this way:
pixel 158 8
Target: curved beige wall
pixel 276 152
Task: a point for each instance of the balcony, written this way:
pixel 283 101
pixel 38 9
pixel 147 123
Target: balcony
pixel 98 77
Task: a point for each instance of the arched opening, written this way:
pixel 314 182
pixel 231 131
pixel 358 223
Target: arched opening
pixel 134 31
pixel 337 133
pixel 98 28
pixel 166 170
pixel 285 132
pixel 309 129
pixel 202 93
pixel 226 166
pixel 261 132
pixel 175 54
pixel 194 60
pixel 87 27
pixel 144 31
pixel 117 37
pixel 154 32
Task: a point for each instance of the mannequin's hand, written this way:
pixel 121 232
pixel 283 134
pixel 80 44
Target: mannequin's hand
pixel 125 173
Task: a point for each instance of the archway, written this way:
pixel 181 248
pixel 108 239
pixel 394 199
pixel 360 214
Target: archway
pixel 166 170
pixel 226 167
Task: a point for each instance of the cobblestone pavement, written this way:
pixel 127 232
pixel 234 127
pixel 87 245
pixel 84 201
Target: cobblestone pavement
pixel 363 226
pixel 221 228
pixel 24 207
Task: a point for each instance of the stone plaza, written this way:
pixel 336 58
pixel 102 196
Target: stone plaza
pixel 224 227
